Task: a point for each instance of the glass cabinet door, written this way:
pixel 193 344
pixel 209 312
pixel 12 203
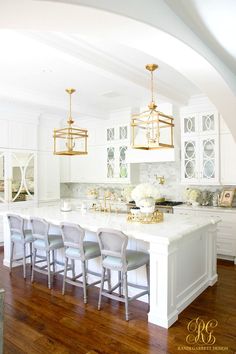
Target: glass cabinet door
pixel 190 124
pixel 190 159
pixel 22 176
pixel 208 158
pixel 110 162
pixel 123 167
pixel 209 122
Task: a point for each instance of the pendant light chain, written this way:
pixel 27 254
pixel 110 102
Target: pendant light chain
pixel 152 89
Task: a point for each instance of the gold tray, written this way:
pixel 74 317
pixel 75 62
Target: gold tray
pixel 142 218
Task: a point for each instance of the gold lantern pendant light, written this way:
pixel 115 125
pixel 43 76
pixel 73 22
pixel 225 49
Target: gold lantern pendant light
pixel 70 141
pixel 152 129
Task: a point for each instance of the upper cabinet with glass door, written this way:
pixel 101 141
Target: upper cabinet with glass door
pixel 118 170
pixel 200 148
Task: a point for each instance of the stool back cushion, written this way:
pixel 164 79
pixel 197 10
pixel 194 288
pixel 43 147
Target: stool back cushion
pixel 73 236
pixel 113 243
pixel 40 228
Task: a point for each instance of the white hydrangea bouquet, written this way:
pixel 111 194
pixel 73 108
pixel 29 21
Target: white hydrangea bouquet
pixel 193 196
pixel 145 195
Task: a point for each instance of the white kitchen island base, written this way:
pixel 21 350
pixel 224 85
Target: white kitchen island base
pixel 182 254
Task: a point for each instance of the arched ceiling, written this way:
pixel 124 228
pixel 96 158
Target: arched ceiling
pixel 155 34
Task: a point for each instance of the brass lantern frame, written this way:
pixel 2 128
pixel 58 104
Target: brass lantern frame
pixel 70 135
pixel 152 122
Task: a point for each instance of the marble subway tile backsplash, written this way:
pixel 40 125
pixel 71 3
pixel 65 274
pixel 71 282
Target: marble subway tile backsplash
pixel 172 189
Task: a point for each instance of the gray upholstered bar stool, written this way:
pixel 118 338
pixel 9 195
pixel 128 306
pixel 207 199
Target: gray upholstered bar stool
pixel 78 249
pixel 43 241
pixel 19 234
pixel 116 257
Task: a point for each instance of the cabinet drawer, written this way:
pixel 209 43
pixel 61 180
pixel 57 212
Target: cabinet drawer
pixel 226 246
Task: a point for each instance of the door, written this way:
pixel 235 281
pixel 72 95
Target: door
pixel 209 167
pixel 22 176
pixel 190 160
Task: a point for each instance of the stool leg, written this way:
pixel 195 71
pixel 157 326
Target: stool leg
pixel 101 288
pixel 109 279
pixel 49 272
pixel 84 281
pixel 53 261
pixel 24 263
pixel 73 268
pixel 126 296
pixel 120 281
pixel 31 254
pixel 33 264
pixel 12 252
pixel 65 275
pixel 148 281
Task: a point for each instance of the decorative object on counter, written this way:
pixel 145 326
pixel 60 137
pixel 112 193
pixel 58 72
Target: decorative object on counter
pixel 135 210
pixel 126 193
pixel 216 198
pixel 92 193
pixel 65 205
pixel 147 205
pixel 74 139
pixel 152 129
pixel 160 179
pixel 145 194
pixel 206 198
pixel 143 218
pixel 226 198
pixel 193 196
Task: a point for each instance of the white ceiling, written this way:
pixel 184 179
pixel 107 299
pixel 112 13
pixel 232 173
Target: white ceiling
pixel 36 67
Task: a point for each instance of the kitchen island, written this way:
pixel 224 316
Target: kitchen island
pixel 182 254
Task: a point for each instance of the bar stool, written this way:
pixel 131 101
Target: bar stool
pixel 48 243
pixel 19 234
pixel 78 249
pixel 116 257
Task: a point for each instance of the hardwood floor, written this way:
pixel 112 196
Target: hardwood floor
pixel 39 320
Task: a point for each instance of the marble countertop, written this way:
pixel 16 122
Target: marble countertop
pixel 173 227
pixel 206 208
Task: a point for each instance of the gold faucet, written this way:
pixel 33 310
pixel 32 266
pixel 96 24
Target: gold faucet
pixel 160 179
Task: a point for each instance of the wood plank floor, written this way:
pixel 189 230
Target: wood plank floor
pixel 39 320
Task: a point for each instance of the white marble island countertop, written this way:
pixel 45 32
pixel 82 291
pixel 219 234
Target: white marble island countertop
pixel 172 228
pixel 182 253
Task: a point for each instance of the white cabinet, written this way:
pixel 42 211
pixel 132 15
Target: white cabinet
pixel 227 159
pixel 4 141
pixel 48 177
pixel 226 229
pixel 200 148
pixel 48 164
pixel 118 170
pixel 88 168
pixel 106 158
pixel 23 135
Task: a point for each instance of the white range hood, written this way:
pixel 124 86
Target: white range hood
pixel 162 155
